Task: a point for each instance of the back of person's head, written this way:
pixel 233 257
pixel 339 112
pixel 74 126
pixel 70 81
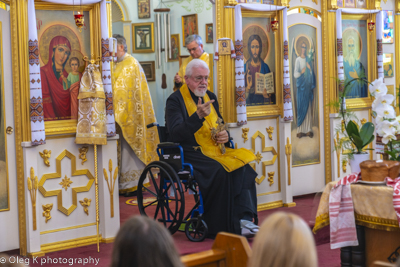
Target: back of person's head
pixel 142 242
pixel 285 240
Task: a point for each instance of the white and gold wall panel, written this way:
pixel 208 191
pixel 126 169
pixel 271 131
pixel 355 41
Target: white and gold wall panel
pixel 68 219
pixel 265 137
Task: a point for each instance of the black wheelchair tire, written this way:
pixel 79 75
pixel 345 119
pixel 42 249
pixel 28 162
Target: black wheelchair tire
pixel 196 230
pixel 175 206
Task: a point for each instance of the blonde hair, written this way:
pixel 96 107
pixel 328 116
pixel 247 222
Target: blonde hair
pixel 284 239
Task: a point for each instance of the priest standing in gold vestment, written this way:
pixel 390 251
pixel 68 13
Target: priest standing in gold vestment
pixel 194 44
pixel 133 110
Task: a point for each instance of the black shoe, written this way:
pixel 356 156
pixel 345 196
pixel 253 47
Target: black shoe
pixel 131 194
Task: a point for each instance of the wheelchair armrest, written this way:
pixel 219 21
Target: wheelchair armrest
pixel 167 144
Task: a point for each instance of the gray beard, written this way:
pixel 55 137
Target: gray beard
pixel 351 60
pixel 199 93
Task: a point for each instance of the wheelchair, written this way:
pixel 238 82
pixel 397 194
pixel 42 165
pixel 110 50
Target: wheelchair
pixel 168 180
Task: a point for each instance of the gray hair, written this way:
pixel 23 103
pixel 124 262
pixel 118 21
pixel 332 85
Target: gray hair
pixel 121 41
pixel 194 64
pixel 192 38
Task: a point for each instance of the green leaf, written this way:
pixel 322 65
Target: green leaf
pixel 357 142
pixel 367 130
pixel 369 141
pixel 351 129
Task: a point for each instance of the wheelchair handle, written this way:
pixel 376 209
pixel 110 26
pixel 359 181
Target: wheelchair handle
pixel 152 125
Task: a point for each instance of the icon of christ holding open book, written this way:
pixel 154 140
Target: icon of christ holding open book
pixel 258 77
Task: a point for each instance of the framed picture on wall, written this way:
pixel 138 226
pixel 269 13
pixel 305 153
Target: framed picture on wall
pixel 209 33
pixel 149 70
pixel 143 37
pixel 189 26
pixel 388 68
pixel 144 9
pixel 387 32
pixel 175 48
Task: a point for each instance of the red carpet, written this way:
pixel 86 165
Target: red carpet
pixel 305 207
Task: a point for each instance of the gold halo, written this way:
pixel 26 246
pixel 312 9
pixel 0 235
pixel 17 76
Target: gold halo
pixel 79 55
pixel 251 30
pixel 299 40
pixel 346 34
pixel 53 31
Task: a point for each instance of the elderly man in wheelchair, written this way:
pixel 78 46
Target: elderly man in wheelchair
pixel 223 175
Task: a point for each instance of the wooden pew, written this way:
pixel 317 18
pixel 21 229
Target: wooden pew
pixel 228 250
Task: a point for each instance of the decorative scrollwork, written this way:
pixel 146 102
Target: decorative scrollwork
pixel 45 156
pixel 46 211
pixel 85 204
pixel 245 131
pixel 270 131
pixel 82 153
pixel 288 152
pixel 271 178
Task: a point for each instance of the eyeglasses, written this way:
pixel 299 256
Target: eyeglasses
pixel 193 49
pixel 200 78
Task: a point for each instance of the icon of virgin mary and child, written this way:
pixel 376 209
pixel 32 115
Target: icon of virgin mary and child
pixel 60 89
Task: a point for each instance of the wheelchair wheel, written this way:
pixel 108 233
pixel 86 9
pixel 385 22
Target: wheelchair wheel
pixel 196 230
pixel 165 194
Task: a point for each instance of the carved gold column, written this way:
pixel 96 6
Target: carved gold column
pixel 328 20
pixel 97 197
pixel 397 52
pixel 225 79
pixel 20 69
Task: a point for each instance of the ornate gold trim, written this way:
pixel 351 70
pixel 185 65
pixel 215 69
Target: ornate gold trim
pixel 75 190
pixel 288 152
pixel 19 41
pixel 85 204
pixel 67 244
pixel 245 132
pixel 306 7
pixel 364 220
pixel 67 228
pixel 120 10
pixel 344 166
pixel 290 205
pixel 82 153
pixel 32 182
pixel 7 184
pixel 397 53
pixel 328 22
pixel 270 205
pixel 270 131
pixel 111 184
pixel 46 211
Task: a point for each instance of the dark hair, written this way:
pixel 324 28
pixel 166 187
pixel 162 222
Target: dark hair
pixel 143 242
pixel 254 37
pixel 73 58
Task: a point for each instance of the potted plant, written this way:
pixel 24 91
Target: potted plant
pixel 356 138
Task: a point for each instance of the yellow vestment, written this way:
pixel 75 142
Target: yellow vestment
pixel 182 69
pixel 233 159
pixel 133 110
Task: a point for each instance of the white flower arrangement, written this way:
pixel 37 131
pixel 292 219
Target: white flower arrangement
pixel 387 125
